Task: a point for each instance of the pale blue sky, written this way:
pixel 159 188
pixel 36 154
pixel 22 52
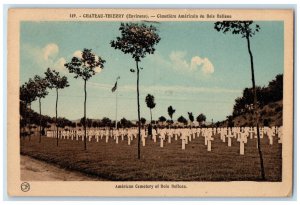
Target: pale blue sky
pixel 194 68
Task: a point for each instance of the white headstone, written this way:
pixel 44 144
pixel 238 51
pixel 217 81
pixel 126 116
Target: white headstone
pixel 242 139
pixel 161 142
pixel 242 147
pixel 143 141
pixel 183 143
pixel 209 145
pixel 209 139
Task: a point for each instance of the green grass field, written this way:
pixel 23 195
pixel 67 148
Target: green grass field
pixel 118 162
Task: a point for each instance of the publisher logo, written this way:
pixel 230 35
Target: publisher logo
pixel 25 186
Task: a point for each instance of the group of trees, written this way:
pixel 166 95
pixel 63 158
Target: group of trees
pixel 105 123
pixel 150 102
pixel 265 95
pixel 34 89
pixel 201 118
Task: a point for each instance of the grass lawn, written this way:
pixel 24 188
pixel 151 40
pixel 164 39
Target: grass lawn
pixel 118 162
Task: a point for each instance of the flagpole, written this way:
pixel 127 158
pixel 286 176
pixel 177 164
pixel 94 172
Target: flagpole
pixel 117 109
pixel 114 89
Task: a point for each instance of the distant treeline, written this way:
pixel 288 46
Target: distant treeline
pixel 32 118
pixel 28 116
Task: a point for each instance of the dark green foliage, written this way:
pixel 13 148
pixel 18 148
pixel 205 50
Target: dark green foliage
pixel 171 111
pixel 89 122
pixel 84 67
pixel 41 85
pixel 245 28
pixel 265 96
pixel 143 121
pixel 63 122
pixel 201 118
pixel 96 123
pixel 266 122
pixel 263 112
pixel 181 119
pixel 125 123
pixel 275 88
pixel 28 92
pixel 150 104
pixel 278 109
pixel 136 39
pixel 55 80
pixel 162 119
pixel 35 118
pixel 191 116
pixel 230 122
pixel 150 101
pixel 106 122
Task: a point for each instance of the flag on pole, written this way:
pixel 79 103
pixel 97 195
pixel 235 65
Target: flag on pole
pixel 116 84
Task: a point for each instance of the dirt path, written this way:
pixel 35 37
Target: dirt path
pixel 36 170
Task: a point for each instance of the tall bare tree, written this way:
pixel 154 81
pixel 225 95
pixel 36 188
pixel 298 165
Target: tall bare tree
pixel 247 30
pixel 85 68
pixel 137 40
pixel 55 81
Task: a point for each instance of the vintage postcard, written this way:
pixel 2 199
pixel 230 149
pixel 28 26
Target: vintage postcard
pixel 150 102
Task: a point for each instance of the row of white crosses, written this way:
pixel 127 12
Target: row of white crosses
pixel 185 134
pixel 95 133
pixel 241 134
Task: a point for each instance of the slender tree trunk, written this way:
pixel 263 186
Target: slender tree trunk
pixel 151 116
pixel 56 117
pixel 84 119
pixel 29 121
pixel 256 111
pixel 40 119
pixel 138 104
pixel 25 120
pixel 151 121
